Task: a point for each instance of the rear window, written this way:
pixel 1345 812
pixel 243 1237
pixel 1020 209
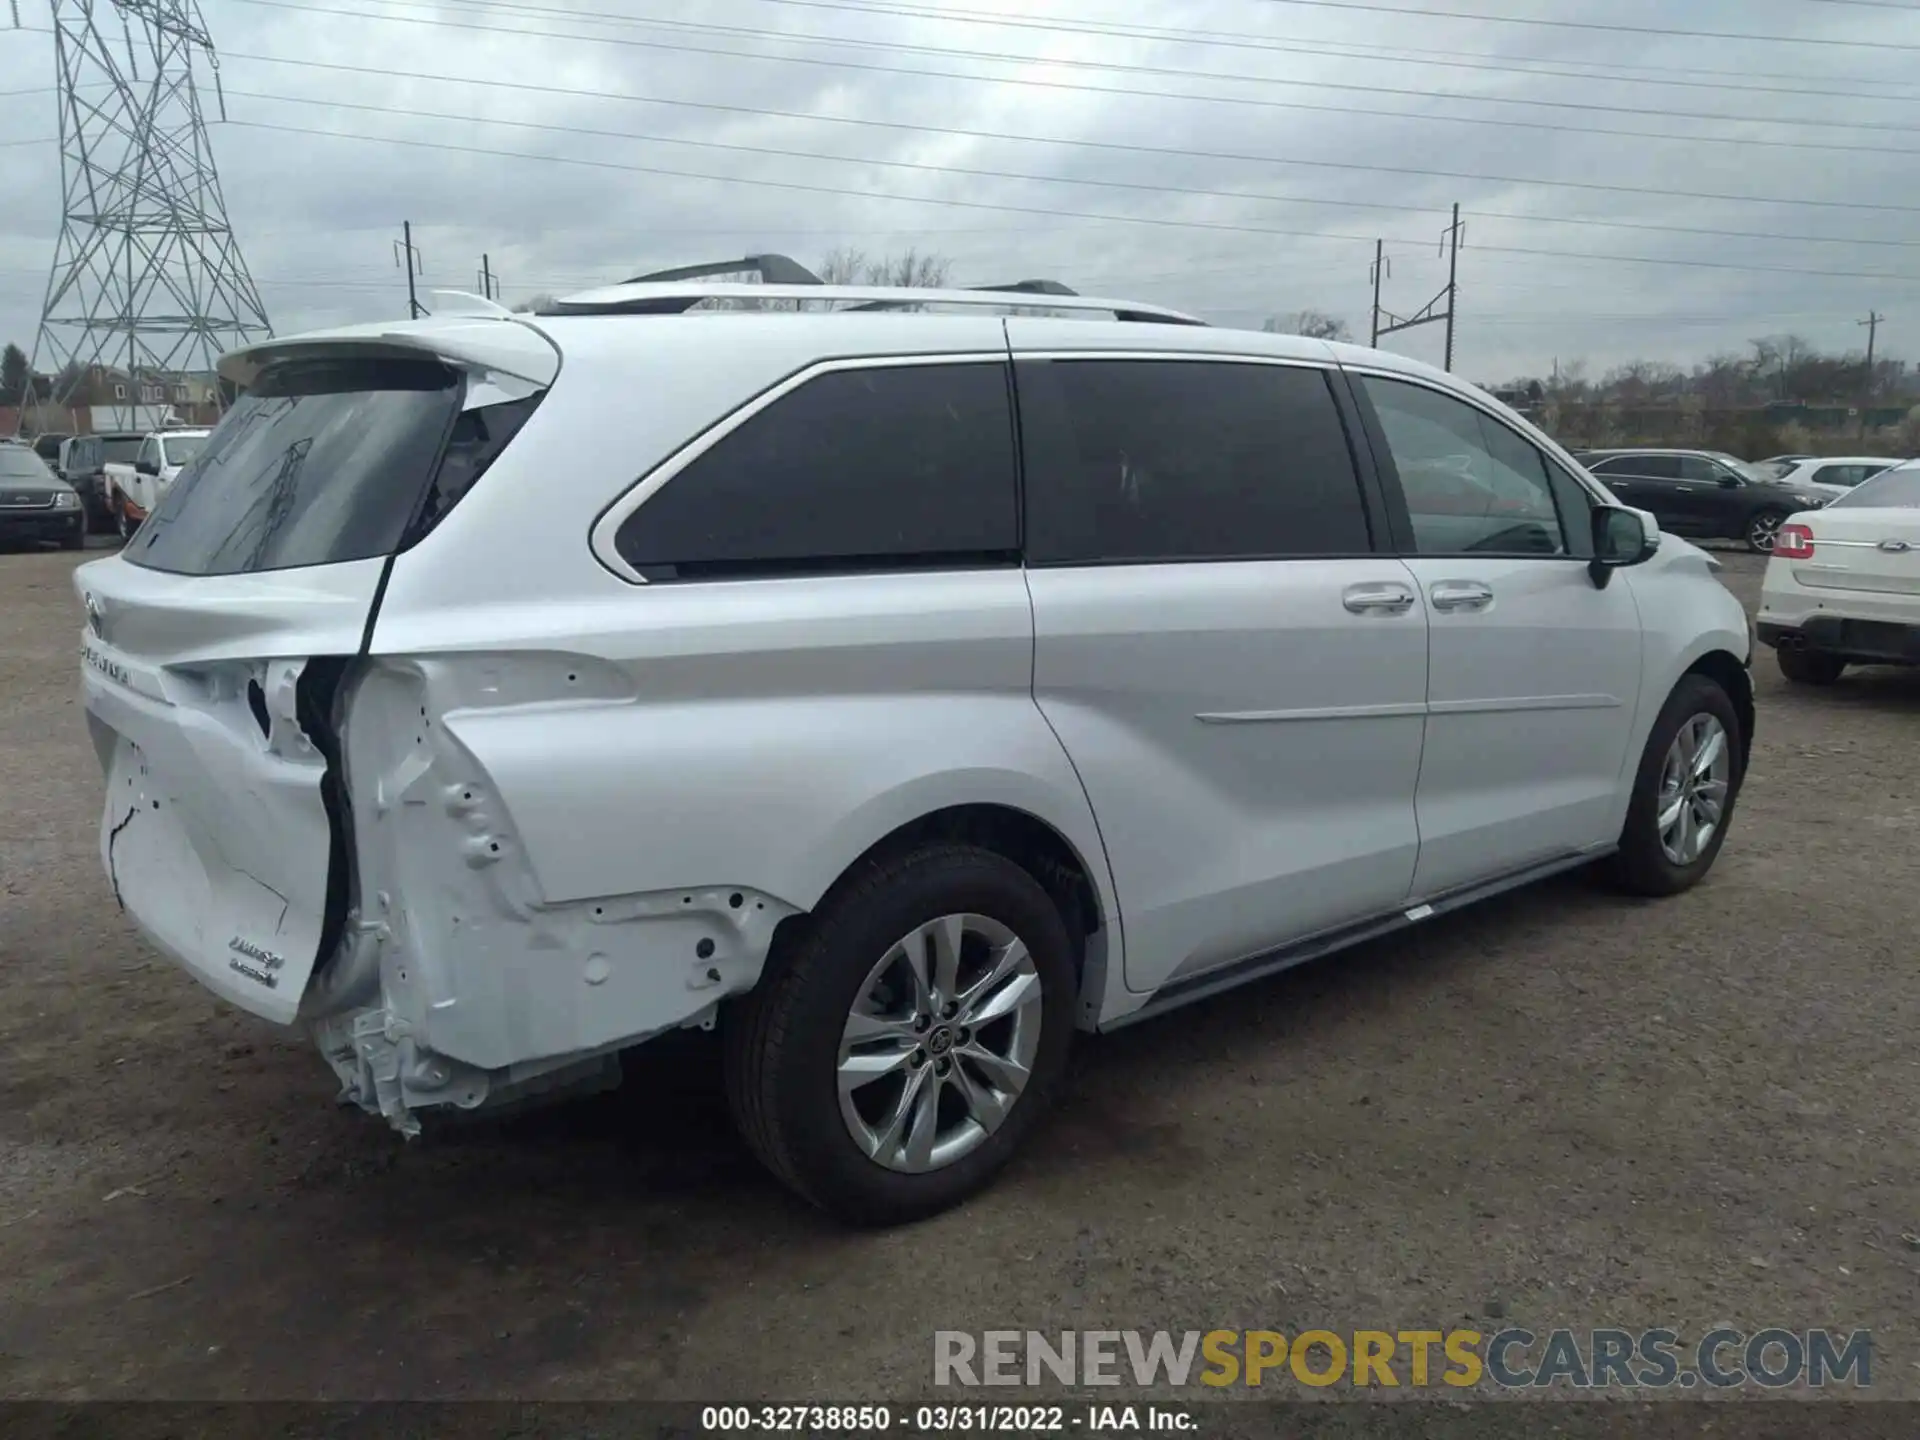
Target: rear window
pixel 1897 489
pixel 119 450
pixel 322 461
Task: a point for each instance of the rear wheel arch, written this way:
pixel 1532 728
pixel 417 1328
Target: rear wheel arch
pixel 1033 844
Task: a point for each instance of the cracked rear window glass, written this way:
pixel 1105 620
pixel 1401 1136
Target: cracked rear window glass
pixel 320 462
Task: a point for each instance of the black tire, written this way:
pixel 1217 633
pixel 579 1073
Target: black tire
pixel 1810 667
pixel 1762 527
pixel 782 1040
pixel 1640 865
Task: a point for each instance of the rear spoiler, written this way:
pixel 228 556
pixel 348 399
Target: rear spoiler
pixel 488 344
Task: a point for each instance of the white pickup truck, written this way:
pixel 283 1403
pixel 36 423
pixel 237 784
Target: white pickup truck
pixel 134 488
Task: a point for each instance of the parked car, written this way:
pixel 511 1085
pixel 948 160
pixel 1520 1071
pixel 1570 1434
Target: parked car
pixel 1832 476
pixel 83 465
pixel 1700 493
pixel 827 697
pixel 1777 465
pixel 1843 585
pixel 135 487
pixel 47 446
pixel 35 504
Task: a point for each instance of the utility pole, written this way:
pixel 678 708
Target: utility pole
pixel 1872 322
pixel 405 252
pixel 1379 269
pixel 1453 281
pixel 1429 313
pixel 489 282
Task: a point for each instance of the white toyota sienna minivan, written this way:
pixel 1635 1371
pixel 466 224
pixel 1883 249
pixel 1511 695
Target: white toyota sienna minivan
pixel 897 683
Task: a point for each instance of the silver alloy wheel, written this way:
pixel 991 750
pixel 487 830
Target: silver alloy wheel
pixel 940 1042
pixel 1763 531
pixel 1693 789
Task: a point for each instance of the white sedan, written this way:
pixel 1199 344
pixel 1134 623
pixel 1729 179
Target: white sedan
pixel 1843 583
pixel 1831 476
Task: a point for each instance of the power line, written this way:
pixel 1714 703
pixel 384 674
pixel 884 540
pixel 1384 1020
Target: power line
pixel 1373 7
pixel 1112 145
pixel 520 8
pixel 1154 220
pixel 978 172
pixel 1035 82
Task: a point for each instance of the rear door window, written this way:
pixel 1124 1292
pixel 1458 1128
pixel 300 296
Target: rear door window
pixel 884 467
pixel 322 461
pixel 1137 461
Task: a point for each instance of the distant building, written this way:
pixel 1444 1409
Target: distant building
pixel 109 398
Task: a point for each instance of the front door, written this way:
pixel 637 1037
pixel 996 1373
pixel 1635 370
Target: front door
pixel 1237 675
pixel 1534 673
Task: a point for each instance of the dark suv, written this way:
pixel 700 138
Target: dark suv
pixel 84 468
pixel 1700 493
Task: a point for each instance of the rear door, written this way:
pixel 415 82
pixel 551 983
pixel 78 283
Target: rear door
pixel 214 640
pixel 1236 674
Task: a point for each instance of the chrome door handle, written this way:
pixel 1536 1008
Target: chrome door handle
pixel 1388 599
pixel 1461 595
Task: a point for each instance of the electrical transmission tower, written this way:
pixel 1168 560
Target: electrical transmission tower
pixel 147 276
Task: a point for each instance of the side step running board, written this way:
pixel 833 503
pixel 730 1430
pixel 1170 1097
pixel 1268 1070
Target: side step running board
pixel 1271 962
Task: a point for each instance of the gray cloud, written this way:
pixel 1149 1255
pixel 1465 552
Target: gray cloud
pixel 316 215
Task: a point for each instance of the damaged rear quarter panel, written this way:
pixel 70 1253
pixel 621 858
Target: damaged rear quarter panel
pixel 551 831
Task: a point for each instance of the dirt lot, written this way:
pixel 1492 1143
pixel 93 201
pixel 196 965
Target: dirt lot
pixel 1563 1109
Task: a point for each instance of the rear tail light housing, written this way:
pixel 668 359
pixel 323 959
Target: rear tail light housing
pixel 1794 542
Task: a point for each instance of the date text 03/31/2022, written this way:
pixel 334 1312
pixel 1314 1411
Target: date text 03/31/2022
pixel 946 1419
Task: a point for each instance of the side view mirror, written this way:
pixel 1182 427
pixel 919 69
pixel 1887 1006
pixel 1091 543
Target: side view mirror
pixel 1729 482
pixel 1620 538
pixel 146 467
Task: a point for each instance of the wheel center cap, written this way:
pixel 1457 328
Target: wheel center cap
pixel 940 1041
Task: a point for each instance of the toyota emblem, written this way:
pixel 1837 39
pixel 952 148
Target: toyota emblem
pixel 1895 547
pixel 96 622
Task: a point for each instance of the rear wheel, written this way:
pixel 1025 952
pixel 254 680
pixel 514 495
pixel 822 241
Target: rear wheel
pixel 1763 529
pixel 894 1057
pixel 1683 792
pixel 124 523
pixel 1810 667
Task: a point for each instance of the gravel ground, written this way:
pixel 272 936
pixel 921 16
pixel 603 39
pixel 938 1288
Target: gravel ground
pixel 1561 1109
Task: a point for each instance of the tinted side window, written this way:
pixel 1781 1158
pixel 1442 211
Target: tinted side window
pixel 1149 460
pixel 1698 467
pixel 1472 485
pixel 871 468
pixel 1652 467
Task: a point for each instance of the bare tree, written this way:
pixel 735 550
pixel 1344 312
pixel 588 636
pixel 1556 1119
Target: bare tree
pixel 1314 324
pixel 845 266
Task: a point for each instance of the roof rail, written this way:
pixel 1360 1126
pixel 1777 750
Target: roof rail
pixel 772 270
pixel 646 298
pixel 1018 287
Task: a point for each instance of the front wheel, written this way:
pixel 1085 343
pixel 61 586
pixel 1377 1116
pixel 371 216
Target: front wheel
pixel 1683 792
pixel 1763 529
pixel 893 1057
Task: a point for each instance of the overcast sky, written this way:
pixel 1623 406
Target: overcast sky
pixel 316 215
